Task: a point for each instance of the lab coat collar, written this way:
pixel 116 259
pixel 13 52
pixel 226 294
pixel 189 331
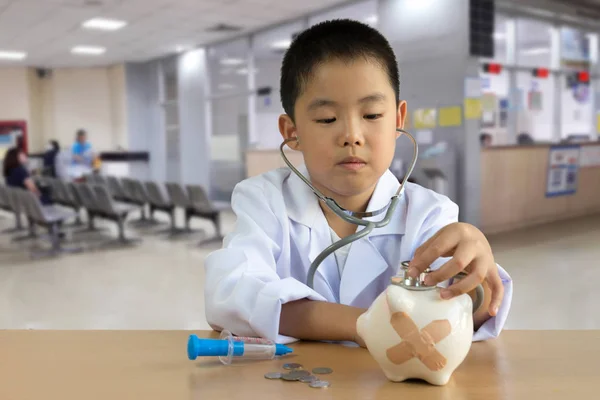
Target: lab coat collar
pixel 303 205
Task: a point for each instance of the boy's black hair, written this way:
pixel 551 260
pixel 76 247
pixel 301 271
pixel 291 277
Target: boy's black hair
pixel 340 39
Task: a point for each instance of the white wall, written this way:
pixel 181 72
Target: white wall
pixel 65 100
pixel 14 101
pixel 82 99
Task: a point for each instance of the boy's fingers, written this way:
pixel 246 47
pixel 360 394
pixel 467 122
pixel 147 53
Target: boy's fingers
pixel 463 256
pixel 497 289
pixel 464 285
pixel 432 251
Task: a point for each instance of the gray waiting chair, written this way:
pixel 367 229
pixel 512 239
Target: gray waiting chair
pixel 203 208
pixel 135 196
pixel 61 194
pixel 160 201
pixel 87 198
pixel 116 189
pixel 10 205
pixel 113 211
pixel 4 200
pixel 50 217
pixel 195 204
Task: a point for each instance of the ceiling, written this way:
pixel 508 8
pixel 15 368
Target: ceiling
pixel 47 29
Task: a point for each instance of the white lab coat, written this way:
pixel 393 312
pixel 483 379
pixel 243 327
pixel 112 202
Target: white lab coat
pixel 281 229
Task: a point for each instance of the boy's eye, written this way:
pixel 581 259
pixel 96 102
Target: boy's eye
pixel 373 116
pixel 326 121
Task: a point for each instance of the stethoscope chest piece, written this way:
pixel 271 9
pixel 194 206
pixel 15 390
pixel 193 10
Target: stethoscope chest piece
pixel 410 283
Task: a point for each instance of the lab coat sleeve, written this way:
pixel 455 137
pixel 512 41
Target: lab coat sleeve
pixel 445 213
pixel 243 292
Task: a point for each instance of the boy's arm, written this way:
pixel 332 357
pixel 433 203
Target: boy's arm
pixel 319 320
pixel 243 291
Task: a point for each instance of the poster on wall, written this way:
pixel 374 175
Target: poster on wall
pixel 563 168
pixel 425 118
pixel 13 133
pixel 590 156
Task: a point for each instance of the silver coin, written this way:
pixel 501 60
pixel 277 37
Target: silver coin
pixel 273 375
pixel 292 366
pixel 308 379
pixel 289 377
pixel 322 371
pixel 319 384
pixel 299 373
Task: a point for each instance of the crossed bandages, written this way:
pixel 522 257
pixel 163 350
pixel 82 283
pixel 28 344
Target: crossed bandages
pixel 420 344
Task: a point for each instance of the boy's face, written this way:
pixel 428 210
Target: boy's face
pixel 346 120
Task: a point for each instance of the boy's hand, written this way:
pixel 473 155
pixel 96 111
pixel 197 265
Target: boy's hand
pixel 471 252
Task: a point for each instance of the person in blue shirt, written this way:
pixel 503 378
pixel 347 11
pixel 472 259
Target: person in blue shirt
pixel 82 150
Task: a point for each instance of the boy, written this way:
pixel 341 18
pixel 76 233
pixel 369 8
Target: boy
pixel 340 92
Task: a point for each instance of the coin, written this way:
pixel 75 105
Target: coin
pixel 299 373
pixel 319 384
pixel 322 371
pixel 273 375
pixel 292 366
pixel 308 379
pixel 289 377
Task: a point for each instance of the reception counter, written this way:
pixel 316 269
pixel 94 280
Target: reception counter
pixel 514 188
pixel 134 164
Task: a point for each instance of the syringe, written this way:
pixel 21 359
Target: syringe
pixel 229 347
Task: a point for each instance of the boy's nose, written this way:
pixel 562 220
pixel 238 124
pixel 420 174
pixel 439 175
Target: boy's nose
pixel 353 135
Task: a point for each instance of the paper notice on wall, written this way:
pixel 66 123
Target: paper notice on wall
pixel 473 108
pixel 488 102
pixel 473 87
pixel 424 137
pixel 425 118
pixel 589 156
pixel 450 116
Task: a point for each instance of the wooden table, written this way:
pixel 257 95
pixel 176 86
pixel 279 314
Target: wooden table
pixel 149 365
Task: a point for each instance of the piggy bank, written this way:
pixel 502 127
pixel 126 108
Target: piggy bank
pixel 413 333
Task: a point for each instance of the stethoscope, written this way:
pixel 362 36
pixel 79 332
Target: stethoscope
pixel 352 217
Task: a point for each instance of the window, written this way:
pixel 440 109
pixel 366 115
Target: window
pixel 227 66
pixel 535 114
pixel 494 104
pixel 534 43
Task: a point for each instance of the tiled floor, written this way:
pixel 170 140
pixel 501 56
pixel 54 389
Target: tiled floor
pixel 158 284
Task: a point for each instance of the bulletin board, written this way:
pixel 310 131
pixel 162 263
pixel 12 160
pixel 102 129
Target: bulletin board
pixel 563 170
pixel 13 133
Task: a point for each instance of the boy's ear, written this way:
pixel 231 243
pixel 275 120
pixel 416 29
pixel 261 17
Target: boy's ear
pixel 401 115
pixel 288 130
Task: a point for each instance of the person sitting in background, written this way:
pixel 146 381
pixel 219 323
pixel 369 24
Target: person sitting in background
pixel 16 175
pixel 485 139
pixel 524 139
pixel 82 150
pixel 50 159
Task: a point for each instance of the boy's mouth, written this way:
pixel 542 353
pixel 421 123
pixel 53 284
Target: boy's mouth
pixel 352 163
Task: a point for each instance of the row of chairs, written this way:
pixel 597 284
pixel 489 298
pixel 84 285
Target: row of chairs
pixel 20 201
pixel 191 198
pixel 108 198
